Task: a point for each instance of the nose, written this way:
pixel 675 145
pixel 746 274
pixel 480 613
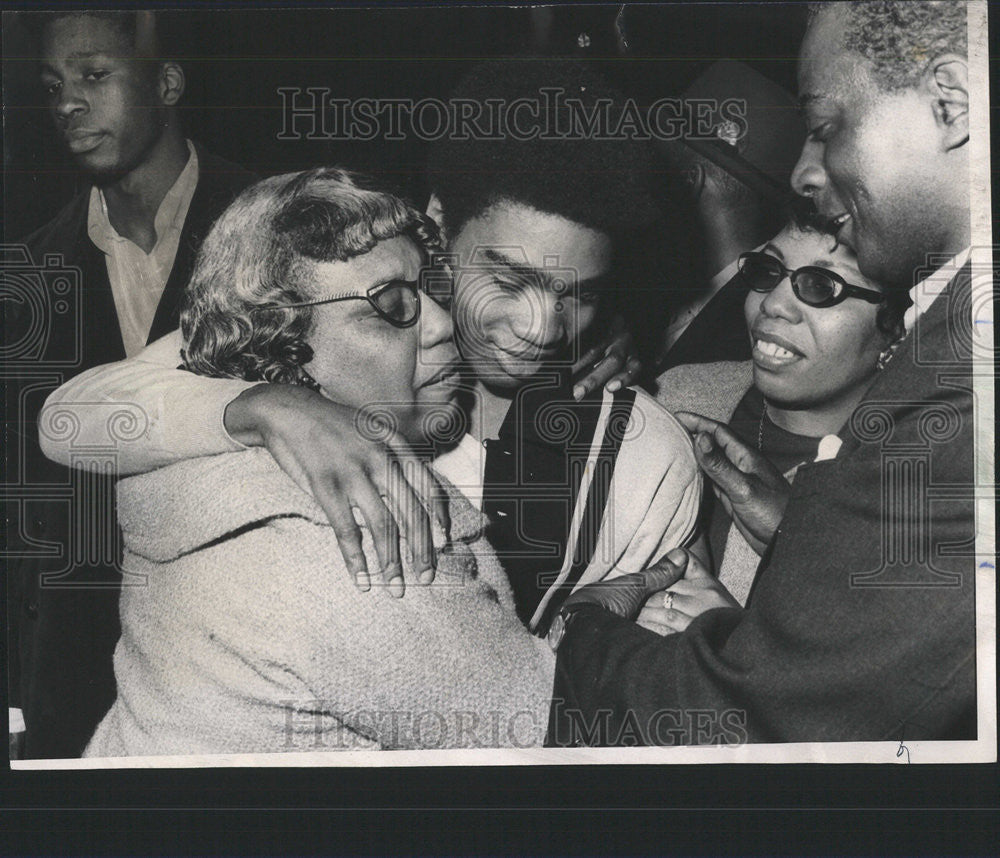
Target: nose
pixel 809 175
pixel 435 323
pixel 781 303
pixel 69 103
pixel 541 317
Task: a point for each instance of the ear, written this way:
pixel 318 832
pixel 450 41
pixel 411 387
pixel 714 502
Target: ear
pixel 948 82
pixel 436 213
pixel 694 178
pixel 171 83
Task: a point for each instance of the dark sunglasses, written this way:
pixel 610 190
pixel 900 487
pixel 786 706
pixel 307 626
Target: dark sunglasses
pixel 817 287
pixel 398 301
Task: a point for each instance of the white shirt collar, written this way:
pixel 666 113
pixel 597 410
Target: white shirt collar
pixel 723 277
pixel 926 291
pixel 679 325
pixel 169 216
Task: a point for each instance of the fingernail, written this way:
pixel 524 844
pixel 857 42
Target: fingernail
pixel 704 443
pixel 426 576
pixel 677 556
pixel 614 386
pixel 363 582
pixel 396 586
pixel 578 392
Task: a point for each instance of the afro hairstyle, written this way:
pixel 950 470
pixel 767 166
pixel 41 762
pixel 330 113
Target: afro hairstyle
pixel 601 183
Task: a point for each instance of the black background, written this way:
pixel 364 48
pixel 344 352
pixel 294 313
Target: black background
pixel 236 59
pixel 236 62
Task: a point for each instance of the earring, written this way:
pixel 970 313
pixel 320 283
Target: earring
pixel 886 355
pixel 303 379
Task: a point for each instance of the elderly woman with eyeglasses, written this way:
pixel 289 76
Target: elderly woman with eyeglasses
pixel 246 633
pixel 820 332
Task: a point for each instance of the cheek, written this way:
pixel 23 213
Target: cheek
pixel 480 308
pixel 124 102
pixel 850 345
pixel 360 364
pixel 751 307
pixel 844 161
pixel 135 109
pixel 881 161
pixel 586 315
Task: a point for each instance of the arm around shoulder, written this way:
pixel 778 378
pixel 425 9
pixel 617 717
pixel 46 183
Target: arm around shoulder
pixel 152 412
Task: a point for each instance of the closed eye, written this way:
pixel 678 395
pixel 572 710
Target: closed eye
pixel 818 134
pixel 514 286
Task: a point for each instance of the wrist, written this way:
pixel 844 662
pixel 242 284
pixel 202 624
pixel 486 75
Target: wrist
pixel 243 417
pixel 253 416
pixel 564 618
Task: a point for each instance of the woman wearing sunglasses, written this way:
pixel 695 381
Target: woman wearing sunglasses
pixel 820 333
pixel 243 631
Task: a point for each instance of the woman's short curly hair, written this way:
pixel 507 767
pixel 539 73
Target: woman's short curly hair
pixel 895 301
pixel 260 252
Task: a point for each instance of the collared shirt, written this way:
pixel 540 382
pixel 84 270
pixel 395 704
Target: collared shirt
pixel 15 720
pixel 679 325
pixel 571 492
pixel 139 278
pixel 927 290
pixel 923 294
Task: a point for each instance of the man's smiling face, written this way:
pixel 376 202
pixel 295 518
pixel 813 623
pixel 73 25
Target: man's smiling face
pixel 526 290
pixel 874 158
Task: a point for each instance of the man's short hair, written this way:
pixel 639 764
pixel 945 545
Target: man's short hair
pixel 902 38
pixel 597 182
pixel 171 30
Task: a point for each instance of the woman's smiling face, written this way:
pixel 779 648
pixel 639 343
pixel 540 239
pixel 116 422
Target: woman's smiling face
pixel 812 357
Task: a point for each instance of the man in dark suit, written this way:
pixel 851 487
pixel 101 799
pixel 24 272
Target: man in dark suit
pixel 737 187
pixel 861 624
pixel 128 242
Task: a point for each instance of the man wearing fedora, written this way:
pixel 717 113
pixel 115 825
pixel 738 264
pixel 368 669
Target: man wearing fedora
pixel 737 184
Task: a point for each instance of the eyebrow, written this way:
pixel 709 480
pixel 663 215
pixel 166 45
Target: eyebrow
pixel 499 258
pixel 770 247
pixel 601 281
pixel 847 273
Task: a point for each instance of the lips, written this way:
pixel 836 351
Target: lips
pixel 446 376
pixel 530 352
pixel 841 225
pixel 773 351
pixel 83 140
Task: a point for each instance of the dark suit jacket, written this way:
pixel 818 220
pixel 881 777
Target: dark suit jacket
pixel 718 332
pixel 62 631
pixel 861 623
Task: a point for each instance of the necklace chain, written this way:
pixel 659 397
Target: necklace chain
pixel 760 429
